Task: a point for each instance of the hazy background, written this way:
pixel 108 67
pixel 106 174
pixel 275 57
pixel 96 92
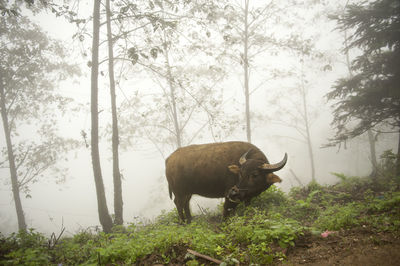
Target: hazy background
pixel 73 203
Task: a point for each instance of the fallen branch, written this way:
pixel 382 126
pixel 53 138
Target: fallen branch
pixel 204 256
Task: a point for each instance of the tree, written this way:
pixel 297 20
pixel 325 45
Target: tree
pixel 345 51
pixel 303 115
pixel 165 36
pixel 295 109
pixel 104 216
pixel 118 203
pixel 245 62
pixel 185 99
pixel 12 8
pixel 31 66
pixel 11 159
pixel 254 35
pixel 245 27
pixel 69 12
pixel 371 96
pixel 371 136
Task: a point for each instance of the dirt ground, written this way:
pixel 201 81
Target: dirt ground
pixel 354 247
pixel 357 247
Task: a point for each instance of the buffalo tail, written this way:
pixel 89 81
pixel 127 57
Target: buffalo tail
pixel 170 191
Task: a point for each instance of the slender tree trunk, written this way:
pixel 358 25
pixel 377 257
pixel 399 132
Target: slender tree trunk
pixel 246 70
pixel 118 203
pixel 308 134
pixel 104 216
pixel 372 149
pixel 171 85
pixel 311 154
pixel 307 125
pixel 11 160
pixel 398 157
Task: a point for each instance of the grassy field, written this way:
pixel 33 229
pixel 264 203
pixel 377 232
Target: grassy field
pixel 355 222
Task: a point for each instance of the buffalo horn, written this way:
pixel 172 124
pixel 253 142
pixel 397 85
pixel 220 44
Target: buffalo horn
pixel 242 159
pixel 276 166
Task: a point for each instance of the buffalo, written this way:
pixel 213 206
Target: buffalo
pixel 236 171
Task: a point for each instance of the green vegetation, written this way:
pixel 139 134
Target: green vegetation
pixel 256 234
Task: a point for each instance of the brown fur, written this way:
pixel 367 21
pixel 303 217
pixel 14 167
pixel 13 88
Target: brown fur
pixel 211 170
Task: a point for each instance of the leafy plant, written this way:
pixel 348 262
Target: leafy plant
pixel 272 196
pixel 259 231
pixel 337 217
pixel 25 248
pixel 257 234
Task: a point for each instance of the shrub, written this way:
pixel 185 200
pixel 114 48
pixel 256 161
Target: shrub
pixel 257 231
pixel 257 234
pixel 337 217
pixel 271 197
pixel 24 248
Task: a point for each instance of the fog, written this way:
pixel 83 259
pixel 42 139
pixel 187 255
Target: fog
pixel 73 203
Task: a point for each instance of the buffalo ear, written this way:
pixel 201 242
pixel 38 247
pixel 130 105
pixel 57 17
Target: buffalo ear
pixel 272 178
pixel 234 169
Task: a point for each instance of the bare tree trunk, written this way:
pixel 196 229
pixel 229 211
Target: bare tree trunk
pixel 372 149
pixel 398 157
pixel 11 160
pixel 174 111
pixel 118 203
pixel 307 124
pixel 308 133
pixel 246 70
pixel 311 154
pixel 104 216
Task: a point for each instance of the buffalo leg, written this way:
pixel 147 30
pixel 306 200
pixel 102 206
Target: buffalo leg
pixel 179 206
pixel 229 206
pixel 187 209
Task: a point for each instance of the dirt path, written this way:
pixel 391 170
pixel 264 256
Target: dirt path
pixel 355 247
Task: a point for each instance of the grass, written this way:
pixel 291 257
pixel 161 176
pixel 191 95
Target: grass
pixel 256 234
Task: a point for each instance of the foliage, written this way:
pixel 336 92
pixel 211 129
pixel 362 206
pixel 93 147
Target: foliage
pixel 258 231
pixel 305 209
pixel 256 234
pixel 266 200
pixel 166 41
pixel 337 217
pixel 25 247
pixel 166 218
pixel 32 66
pixel 13 8
pixel 370 96
pixel 352 184
pixel 388 170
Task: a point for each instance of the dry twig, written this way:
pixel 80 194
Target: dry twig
pixel 197 254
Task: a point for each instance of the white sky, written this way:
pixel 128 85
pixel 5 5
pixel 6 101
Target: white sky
pixel 145 192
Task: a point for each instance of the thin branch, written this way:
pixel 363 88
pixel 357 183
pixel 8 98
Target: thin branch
pixel 261 13
pixel 200 130
pixel 116 37
pixel 154 143
pixel 259 85
pixel 24 157
pixel 296 178
pixel 204 256
pixel 38 171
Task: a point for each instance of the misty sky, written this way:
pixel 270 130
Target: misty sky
pixel 73 204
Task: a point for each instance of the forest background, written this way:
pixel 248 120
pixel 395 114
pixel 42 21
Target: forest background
pixel 185 73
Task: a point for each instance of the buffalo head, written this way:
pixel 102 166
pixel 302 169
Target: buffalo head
pixel 255 176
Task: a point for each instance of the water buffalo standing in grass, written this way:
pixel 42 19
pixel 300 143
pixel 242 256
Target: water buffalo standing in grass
pixel 236 171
